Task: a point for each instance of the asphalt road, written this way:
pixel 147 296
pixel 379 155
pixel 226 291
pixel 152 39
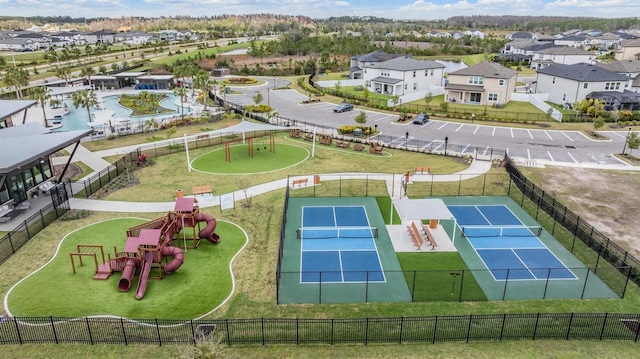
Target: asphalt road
pixel 533 146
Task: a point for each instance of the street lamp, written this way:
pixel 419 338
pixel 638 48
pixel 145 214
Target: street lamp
pixel 446 141
pixel 269 97
pixel 626 139
pixel 376 129
pixel 274 81
pixel 406 140
pixel 473 116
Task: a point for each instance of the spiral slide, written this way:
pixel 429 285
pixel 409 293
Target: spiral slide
pixel 147 261
pixel 178 258
pixel 207 232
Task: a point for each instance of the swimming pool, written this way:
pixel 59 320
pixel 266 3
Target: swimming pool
pixel 77 118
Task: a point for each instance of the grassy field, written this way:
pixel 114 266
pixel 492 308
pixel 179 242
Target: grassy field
pixel 167 60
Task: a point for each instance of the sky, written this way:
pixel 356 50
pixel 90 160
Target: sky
pixel 398 9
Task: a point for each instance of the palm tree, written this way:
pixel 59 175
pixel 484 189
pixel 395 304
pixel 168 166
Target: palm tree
pixel 150 125
pixel 63 73
pixel 41 94
pixel 16 78
pixel 180 91
pixel 203 83
pixel 102 70
pixel 87 72
pixel 86 99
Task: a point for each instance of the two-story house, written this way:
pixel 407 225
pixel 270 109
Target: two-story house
pixel 628 50
pixel 101 36
pixel 567 84
pixel 360 61
pixel 629 68
pixel 573 41
pixel 561 55
pixel 402 76
pixel 486 83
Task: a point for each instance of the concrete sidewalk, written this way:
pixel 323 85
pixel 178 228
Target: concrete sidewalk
pixel 394 185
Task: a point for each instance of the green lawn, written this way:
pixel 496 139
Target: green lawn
pixel 167 60
pixel 438 276
pixel 197 287
pixel 263 160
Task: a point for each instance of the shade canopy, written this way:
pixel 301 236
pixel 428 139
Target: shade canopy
pixel 417 209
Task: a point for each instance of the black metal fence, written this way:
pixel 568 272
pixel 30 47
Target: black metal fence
pixel 31 226
pixel 583 239
pixel 299 331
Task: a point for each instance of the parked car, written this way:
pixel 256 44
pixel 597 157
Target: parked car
pixel 343 107
pixel 421 119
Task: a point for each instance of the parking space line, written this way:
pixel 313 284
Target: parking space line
pixel 574 160
pixel 511 129
pixel 528 154
pixel 548 135
pixel 485 150
pixel 530 135
pixel 494 132
pixel 444 124
pixel 427 145
pixel 459 127
pixel 476 130
pixel 551 157
pixel 621 135
pixel 567 136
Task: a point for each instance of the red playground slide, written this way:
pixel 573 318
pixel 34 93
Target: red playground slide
pixel 178 258
pixel 147 261
pixel 207 232
pixel 127 274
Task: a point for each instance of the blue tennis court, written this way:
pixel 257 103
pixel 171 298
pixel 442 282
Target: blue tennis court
pixel 508 248
pixel 338 246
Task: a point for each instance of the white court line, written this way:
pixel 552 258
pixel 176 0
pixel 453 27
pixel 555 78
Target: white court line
pixel 549 153
pixel 574 160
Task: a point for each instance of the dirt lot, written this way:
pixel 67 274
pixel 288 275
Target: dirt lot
pixel 608 200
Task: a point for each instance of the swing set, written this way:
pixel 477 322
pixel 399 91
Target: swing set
pixel 250 145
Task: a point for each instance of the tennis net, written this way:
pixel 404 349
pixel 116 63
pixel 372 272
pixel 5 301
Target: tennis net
pixel 342 232
pixel 497 231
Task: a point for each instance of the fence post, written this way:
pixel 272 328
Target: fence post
pixel 297 331
pixel 484 183
pixel 158 331
pixel 332 330
pixel 435 330
pixel 504 320
pixel 15 322
pixel 89 330
pixel 366 333
pixel 124 332
pixel 461 285
pixel 584 287
pixel 53 328
pixel 535 329
pixel 459 184
pixel 366 288
pixel 262 329
pixel 469 327
pixel 413 286
pixel 569 327
pixel 401 327
pixel 604 325
pixel 506 281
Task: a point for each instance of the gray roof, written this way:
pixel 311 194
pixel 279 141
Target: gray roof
pixel 11 107
pixel 376 56
pixel 630 43
pixel 564 50
pixel 625 96
pixel 488 70
pixel 462 87
pixel 622 66
pixel 582 72
pixel 386 80
pixel 521 35
pixel 572 38
pixel 406 64
pixel 26 143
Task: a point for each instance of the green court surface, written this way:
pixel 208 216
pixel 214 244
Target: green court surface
pixel 586 285
pixel 263 159
pixel 201 284
pixel 291 290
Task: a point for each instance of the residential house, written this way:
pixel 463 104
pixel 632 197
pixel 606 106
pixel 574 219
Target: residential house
pixel 433 33
pixel 628 50
pixel 403 75
pixel 474 33
pixel 455 34
pixel 603 42
pixel 561 55
pixel 486 83
pixel 359 61
pixel 629 68
pixel 573 41
pixel 70 37
pixel 567 84
pixel 614 100
pixel 101 36
pixel 520 35
pixel 134 38
pixel 10 108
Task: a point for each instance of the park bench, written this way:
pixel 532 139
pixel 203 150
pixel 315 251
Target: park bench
pixel 325 140
pixel 308 137
pixel 429 235
pixel 415 236
pixel 421 170
pixel 343 144
pixel 202 137
pixel 358 147
pixel 196 190
pixel 295 133
pixel 299 182
pixel 375 149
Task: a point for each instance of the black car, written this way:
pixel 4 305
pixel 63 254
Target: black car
pixel 343 107
pixel 421 119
